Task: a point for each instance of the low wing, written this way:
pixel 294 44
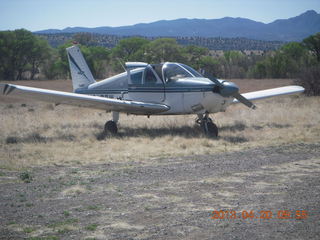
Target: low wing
pixel 271 93
pixel 81 100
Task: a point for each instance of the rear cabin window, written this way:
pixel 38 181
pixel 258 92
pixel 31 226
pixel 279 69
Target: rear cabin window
pixel 136 78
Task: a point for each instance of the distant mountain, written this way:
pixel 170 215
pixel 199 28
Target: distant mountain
pixel 292 29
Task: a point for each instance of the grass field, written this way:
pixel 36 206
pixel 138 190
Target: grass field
pixel 160 178
pixel 40 134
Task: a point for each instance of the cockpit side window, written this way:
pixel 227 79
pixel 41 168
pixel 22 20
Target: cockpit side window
pixel 149 76
pixel 172 72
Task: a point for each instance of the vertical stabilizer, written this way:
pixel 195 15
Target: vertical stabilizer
pixel 80 72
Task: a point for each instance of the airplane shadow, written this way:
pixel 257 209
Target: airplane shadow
pixel 181 131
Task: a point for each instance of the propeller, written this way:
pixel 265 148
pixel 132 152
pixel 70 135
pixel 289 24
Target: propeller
pixel 227 89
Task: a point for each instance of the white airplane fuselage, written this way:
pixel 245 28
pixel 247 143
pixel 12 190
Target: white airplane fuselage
pixel 184 96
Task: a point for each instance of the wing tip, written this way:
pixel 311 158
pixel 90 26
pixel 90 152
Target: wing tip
pixel 299 88
pixel 7 88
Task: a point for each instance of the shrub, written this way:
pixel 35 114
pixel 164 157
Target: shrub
pixel 92 227
pixel 310 80
pixel 26 177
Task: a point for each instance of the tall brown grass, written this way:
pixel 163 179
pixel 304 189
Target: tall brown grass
pixel 41 134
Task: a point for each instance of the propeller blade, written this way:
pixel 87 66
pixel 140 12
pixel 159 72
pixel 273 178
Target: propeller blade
pixel 243 100
pixel 230 89
pixel 217 82
pixel 213 79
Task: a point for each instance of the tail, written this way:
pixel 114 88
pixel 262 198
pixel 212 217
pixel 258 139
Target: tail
pixel 80 72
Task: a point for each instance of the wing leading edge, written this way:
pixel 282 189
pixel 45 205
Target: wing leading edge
pixel 82 100
pixel 271 93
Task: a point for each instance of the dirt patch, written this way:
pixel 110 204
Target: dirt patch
pixel 172 198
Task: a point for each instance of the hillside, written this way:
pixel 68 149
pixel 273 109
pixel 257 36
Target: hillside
pixel 292 29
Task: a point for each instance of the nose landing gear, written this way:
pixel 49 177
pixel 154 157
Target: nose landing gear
pixel 210 129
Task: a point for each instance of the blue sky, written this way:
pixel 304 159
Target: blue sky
pixel 43 14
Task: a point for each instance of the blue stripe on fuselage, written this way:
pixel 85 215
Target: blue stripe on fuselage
pixel 170 90
pixel 145 90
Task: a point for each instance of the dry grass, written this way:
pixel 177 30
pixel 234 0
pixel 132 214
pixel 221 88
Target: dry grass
pixel 40 134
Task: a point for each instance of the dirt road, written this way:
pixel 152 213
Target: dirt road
pixel 274 192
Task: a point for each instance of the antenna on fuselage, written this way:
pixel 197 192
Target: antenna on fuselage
pixel 121 64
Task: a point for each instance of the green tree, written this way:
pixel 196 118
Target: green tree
pixel 164 50
pixel 7 59
pixel 313 44
pixel 97 59
pixel 24 42
pixel 310 79
pixel 127 49
pixel 210 66
pixel 259 70
pixel 61 65
pixel 194 55
pixel 234 64
pixel 40 52
pixel 21 52
pixel 287 62
pixel 51 67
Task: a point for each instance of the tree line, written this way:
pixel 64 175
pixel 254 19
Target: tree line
pixel 24 55
pixel 213 43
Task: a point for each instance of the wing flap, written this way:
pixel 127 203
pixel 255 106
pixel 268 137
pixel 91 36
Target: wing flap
pixel 271 93
pixel 81 100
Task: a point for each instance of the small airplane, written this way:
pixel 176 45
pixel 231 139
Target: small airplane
pixel 148 89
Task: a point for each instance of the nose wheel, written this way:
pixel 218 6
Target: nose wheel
pixel 210 129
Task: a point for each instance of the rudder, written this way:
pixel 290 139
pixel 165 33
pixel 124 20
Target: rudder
pixel 80 72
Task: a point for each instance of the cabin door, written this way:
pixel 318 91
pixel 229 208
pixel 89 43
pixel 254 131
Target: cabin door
pixel 146 86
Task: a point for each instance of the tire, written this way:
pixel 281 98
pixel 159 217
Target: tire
pixel 210 129
pixel 111 127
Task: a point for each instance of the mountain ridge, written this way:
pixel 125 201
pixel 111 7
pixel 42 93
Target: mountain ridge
pixel 291 29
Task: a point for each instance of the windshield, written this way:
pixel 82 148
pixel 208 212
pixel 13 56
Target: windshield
pixel 191 70
pixel 173 71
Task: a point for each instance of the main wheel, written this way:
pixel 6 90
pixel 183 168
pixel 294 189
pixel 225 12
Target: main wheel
pixel 111 127
pixel 209 128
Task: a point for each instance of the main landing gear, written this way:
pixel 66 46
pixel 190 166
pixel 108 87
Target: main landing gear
pixel 111 126
pixel 209 128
